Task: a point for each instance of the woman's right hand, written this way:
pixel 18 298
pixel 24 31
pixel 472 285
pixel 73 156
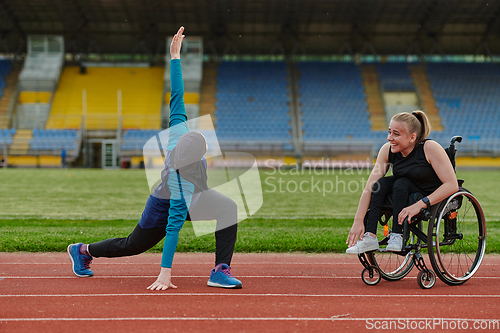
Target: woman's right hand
pixel 175 47
pixel 163 281
pixel 357 232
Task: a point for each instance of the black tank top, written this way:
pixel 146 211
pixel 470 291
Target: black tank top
pixel 416 168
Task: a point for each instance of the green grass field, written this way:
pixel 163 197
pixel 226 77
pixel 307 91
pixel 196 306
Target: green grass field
pixel 44 210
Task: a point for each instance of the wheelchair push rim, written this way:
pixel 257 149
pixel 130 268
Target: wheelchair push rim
pixel 460 238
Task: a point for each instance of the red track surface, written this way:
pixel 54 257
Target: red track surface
pixel 281 292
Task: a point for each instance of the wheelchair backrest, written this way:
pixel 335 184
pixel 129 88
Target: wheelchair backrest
pixel 451 151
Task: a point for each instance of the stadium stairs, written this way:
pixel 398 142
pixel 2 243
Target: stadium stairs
pixel 21 142
pixel 424 91
pixel 208 91
pixel 373 97
pixel 8 94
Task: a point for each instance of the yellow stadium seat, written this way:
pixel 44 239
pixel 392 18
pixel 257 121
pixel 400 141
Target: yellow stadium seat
pixel 141 98
pixel 34 97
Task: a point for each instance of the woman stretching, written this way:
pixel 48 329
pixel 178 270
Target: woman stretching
pixel 183 187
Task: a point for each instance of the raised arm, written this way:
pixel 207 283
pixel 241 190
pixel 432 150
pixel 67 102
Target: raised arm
pixel 181 190
pixel 178 117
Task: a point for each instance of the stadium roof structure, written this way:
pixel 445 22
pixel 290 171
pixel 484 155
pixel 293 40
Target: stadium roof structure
pixel 313 27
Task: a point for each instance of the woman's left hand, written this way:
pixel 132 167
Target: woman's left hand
pixel 410 211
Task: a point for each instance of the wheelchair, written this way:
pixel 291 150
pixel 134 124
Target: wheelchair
pixel 455 240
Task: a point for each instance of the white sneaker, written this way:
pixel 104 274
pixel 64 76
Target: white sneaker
pixel 395 243
pixel 368 243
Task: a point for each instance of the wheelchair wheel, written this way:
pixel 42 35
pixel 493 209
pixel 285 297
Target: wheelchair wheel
pixel 459 233
pixel 370 276
pixel 426 279
pixel 393 266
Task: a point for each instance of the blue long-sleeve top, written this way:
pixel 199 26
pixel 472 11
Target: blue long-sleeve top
pixel 173 187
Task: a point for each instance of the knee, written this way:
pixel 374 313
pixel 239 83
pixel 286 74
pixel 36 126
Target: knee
pixel 381 186
pixel 229 206
pixel 401 184
pixel 133 248
pixel 227 231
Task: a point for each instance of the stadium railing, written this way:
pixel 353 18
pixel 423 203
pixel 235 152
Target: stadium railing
pixel 103 121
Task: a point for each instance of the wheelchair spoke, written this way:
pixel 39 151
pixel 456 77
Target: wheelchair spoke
pixel 392 266
pixel 460 239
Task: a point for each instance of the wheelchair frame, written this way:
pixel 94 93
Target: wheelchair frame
pixel 443 232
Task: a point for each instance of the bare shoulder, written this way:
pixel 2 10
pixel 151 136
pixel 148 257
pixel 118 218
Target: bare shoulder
pixel 385 148
pixel 433 150
pixel 383 154
pixel 432 146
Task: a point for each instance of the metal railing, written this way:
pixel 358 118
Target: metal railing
pixel 104 121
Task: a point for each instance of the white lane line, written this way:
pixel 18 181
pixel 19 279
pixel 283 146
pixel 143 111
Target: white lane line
pixel 203 263
pixel 183 276
pixel 333 319
pixel 479 296
pixel 206 276
pixel 191 263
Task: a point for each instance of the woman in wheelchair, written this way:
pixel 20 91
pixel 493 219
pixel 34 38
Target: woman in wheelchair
pixel 418 165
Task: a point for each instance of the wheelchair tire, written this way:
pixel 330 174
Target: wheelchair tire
pixel 370 276
pixel 459 236
pixel 426 279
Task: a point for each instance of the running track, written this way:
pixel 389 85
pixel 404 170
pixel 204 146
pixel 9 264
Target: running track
pixel 281 293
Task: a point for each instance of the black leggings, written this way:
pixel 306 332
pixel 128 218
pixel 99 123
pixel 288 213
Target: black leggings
pixel 211 205
pixel 400 189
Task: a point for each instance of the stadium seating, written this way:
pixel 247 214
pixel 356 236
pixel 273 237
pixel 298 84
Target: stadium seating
pixel 6 136
pixel 395 76
pixel 53 139
pixel 333 102
pixel 467 97
pixel 134 140
pixel 252 102
pixel 141 90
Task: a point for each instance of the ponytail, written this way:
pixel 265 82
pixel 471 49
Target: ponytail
pixel 417 122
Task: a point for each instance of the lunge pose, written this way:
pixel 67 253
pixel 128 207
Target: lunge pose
pixel 182 195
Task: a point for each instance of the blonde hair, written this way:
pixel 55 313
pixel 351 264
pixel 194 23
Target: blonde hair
pixel 416 122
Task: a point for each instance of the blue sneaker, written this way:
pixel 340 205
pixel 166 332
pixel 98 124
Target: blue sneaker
pixel 81 263
pixel 221 277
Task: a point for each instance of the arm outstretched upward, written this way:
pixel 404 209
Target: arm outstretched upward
pixel 180 189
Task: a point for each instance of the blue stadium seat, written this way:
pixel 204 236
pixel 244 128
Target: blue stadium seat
pixel 333 101
pixel 136 139
pixel 467 97
pixel 252 101
pixel 395 76
pixel 53 139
